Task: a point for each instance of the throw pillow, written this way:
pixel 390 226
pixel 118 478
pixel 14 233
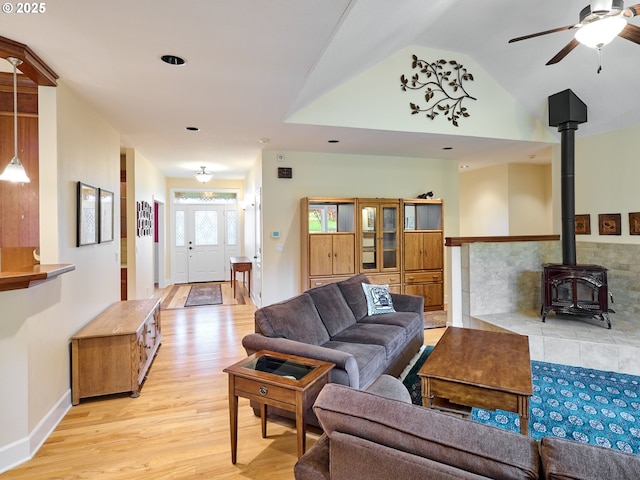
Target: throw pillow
pixel 378 299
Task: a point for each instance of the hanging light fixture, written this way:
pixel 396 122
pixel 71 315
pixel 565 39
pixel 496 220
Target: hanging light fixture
pixel 15 171
pixel 203 176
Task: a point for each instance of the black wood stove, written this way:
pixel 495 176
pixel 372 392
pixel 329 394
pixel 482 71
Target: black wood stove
pixel 569 288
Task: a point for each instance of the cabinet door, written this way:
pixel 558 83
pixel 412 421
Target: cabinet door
pixel 390 225
pixel 413 245
pixel 343 254
pixel 369 238
pixel 320 254
pixel 433 251
pixel 432 293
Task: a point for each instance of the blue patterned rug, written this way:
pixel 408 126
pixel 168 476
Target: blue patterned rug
pixel 589 406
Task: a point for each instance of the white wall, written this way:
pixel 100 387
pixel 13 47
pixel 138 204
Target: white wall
pixel 607 169
pixel 509 199
pixel 335 175
pixel 37 323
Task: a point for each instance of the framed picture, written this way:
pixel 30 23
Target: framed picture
pixel 634 223
pixel 583 224
pixel 106 216
pixel 609 223
pixel 87 221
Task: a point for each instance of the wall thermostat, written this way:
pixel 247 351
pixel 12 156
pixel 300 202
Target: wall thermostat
pixel 275 234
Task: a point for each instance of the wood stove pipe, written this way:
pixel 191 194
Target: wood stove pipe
pixel 566 111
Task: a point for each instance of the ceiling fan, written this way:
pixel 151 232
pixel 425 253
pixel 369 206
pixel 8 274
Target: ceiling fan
pixel 600 22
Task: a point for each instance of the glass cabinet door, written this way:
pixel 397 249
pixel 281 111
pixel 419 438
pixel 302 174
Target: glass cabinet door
pixel 379 237
pixel 369 240
pixel 389 237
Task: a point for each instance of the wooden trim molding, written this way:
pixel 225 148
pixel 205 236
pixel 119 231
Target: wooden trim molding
pixel 32 66
pixel 30 277
pixel 458 241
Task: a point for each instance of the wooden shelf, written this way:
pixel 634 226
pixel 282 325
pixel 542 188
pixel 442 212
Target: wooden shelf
pixel 28 277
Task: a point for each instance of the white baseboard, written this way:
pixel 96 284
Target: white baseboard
pixel 24 449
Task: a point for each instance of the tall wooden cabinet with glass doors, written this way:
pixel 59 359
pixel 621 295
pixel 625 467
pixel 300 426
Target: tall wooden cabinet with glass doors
pixel 423 251
pixel 328 240
pixel 379 241
pixel 398 242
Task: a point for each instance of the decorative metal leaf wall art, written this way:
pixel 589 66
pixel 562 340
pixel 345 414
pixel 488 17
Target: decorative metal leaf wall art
pixel 444 84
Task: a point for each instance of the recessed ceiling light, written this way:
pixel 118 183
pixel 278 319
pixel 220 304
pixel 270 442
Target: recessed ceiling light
pixel 464 166
pixel 264 140
pixel 173 60
pixel 193 129
pixel 333 141
pixel 447 148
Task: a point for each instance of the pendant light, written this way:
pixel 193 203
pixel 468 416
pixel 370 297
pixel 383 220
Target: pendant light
pixel 15 171
pixel 203 176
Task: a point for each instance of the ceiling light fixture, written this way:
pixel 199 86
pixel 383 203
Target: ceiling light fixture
pixel 600 31
pixel 192 129
pixel 333 141
pixel 203 176
pixel 15 170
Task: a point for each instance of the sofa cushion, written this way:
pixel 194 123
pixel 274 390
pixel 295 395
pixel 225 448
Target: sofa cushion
pixel 389 336
pixel 351 289
pixel 566 459
pixel 390 387
pixel 332 307
pixel 371 360
pixel 410 321
pixel 378 299
pixel 469 446
pixel 354 457
pixel 295 319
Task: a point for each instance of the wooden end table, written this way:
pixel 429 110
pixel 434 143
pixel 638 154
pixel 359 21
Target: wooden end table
pixel 240 264
pixel 284 381
pixel 479 368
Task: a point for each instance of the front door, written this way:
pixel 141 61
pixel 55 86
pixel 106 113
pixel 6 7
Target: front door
pixel 205 236
pixel 205 227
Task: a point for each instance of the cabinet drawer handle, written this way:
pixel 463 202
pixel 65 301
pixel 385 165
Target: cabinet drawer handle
pixel 264 390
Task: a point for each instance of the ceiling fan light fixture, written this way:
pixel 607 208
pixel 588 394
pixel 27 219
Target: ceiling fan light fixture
pixel 600 32
pixel 203 176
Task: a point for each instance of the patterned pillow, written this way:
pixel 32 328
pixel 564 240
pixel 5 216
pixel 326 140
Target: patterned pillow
pixel 378 299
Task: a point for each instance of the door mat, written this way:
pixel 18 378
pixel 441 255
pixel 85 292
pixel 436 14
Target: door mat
pixel 209 294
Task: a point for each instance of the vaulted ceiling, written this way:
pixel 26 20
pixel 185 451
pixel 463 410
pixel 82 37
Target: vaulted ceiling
pixel 252 64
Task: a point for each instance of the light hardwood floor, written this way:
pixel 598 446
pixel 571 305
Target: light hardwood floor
pixel 179 426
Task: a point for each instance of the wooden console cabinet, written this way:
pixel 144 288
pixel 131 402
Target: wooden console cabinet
pixel 113 353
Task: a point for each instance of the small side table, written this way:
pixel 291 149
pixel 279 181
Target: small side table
pixel 280 380
pixel 240 264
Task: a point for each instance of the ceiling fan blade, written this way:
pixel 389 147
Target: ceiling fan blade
pixel 564 52
pixel 526 37
pixel 631 32
pixel 632 11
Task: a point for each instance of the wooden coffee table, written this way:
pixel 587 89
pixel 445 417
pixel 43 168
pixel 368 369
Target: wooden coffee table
pixel 478 368
pixel 284 381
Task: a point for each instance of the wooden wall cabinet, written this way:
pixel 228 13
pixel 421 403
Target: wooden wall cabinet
pixel 379 241
pixel 114 352
pixel 423 249
pixel 328 240
pixel 395 242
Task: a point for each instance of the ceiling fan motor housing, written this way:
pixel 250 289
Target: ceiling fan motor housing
pixel 601 8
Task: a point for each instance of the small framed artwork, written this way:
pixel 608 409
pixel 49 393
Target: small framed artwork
pixel 634 223
pixel 609 223
pixel 87 218
pixel 583 224
pixel 106 216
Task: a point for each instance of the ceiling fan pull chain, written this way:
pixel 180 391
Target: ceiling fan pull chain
pixel 599 60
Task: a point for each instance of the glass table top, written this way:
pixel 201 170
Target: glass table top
pixel 279 366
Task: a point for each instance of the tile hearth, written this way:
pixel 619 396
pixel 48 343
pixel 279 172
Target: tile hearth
pixel 568 340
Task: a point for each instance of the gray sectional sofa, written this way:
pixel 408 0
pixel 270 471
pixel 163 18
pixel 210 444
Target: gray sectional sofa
pixel 367 435
pixel 331 323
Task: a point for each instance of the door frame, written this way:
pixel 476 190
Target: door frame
pixel 172 226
